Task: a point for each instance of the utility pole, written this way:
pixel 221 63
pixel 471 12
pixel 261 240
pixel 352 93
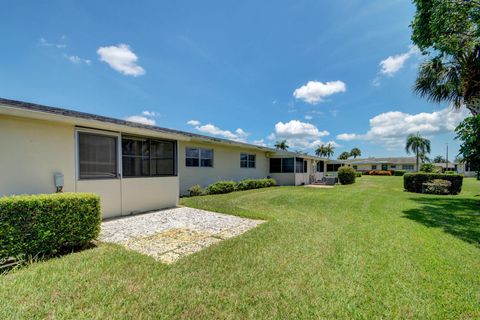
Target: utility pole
pixel 446 159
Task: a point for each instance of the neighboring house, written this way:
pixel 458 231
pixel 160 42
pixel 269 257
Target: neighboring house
pixel 462 168
pixel 392 163
pixel 133 167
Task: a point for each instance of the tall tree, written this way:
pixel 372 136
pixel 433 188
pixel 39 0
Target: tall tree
pixel 325 150
pixel 418 145
pixel 344 155
pixel 355 152
pixel 469 132
pixel 439 159
pixel 282 145
pixel 448 32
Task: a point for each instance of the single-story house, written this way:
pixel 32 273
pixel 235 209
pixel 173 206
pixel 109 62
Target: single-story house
pixel 132 166
pixel 466 169
pixel 392 163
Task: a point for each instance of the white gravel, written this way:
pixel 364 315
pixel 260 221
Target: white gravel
pixel 168 235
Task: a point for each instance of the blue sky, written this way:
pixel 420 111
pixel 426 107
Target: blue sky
pixel 307 71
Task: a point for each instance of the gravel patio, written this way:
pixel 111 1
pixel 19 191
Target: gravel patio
pixel 169 235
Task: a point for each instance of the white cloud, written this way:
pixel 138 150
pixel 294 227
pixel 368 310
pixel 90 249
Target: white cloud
pixel 314 91
pixel 78 60
pixel 141 119
pixel 391 128
pixel 237 135
pixel 150 113
pixel 193 122
pixel 393 64
pixel 299 135
pixel 259 142
pixel 45 43
pixel 122 59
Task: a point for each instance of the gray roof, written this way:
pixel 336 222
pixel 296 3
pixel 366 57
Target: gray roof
pixel 88 116
pixel 392 160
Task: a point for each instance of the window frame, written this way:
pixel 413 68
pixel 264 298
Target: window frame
pixel 281 165
pixel 199 157
pixel 408 167
pixel 320 165
pixel 374 167
pixel 118 162
pixel 248 161
pixel 150 157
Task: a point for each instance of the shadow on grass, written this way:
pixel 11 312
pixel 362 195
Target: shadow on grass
pixel 11 264
pixel 459 217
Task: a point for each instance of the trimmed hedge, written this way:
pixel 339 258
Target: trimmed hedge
pixel 380 173
pixel 358 174
pixel 399 173
pixel 413 182
pixel 346 175
pixel 248 184
pixel 220 187
pixel 43 225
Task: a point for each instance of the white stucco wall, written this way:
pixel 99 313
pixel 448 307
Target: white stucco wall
pixel 226 166
pixel 31 152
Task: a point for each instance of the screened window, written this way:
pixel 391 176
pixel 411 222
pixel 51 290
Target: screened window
pixel 300 165
pixel 247 160
pixel 282 165
pixel 143 157
pixel 197 157
pixel 374 167
pixel 97 156
pixel 407 167
pixel 333 167
pixel 320 166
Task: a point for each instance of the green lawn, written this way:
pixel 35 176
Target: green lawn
pixel 365 251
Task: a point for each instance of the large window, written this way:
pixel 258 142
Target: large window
pixel 300 165
pixel 374 167
pixel 320 166
pixel 333 167
pixel 197 157
pixel 97 156
pixel 408 167
pixel 143 157
pixel 282 165
pixel 247 160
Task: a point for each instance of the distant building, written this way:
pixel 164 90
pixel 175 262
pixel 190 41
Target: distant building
pixel 391 163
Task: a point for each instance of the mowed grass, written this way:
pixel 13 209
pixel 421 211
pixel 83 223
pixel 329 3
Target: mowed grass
pixel 365 251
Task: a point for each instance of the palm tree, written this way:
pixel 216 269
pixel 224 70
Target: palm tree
pixel 456 80
pixel 344 155
pixel 418 145
pixel 355 152
pixel 325 150
pixel 439 159
pixel 282 145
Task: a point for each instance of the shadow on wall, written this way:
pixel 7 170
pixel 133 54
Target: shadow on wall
pixel 458 217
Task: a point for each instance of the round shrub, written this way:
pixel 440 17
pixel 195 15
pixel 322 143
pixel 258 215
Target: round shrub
pixel 196 190
pixel 220 187
pixel 358 174
pixel 437 186
pixel 413 182
pixel 346 175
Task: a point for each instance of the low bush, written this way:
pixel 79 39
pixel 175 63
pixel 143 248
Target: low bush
pixel 358 174
pixel 196 190
pixel 220 187
pixel 437 186
pixel 413 182
pixel 380 173
pixel 248 184
pixel 450 172
pixel 44 225
pixel 427 167
pixel 346 175
pixel 399 173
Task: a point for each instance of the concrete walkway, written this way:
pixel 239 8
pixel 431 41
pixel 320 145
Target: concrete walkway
pixel 169 235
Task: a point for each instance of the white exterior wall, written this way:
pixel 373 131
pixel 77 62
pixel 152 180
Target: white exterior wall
pixel 284 179
pixel 226 166
pixel 32 151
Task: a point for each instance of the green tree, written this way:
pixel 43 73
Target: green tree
pixel 418 145
pixel 282 145
pixel 439 159
pixel 448 32
pixel 468 132
pixel 325 150
pixel 344 155
pixel 355 152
